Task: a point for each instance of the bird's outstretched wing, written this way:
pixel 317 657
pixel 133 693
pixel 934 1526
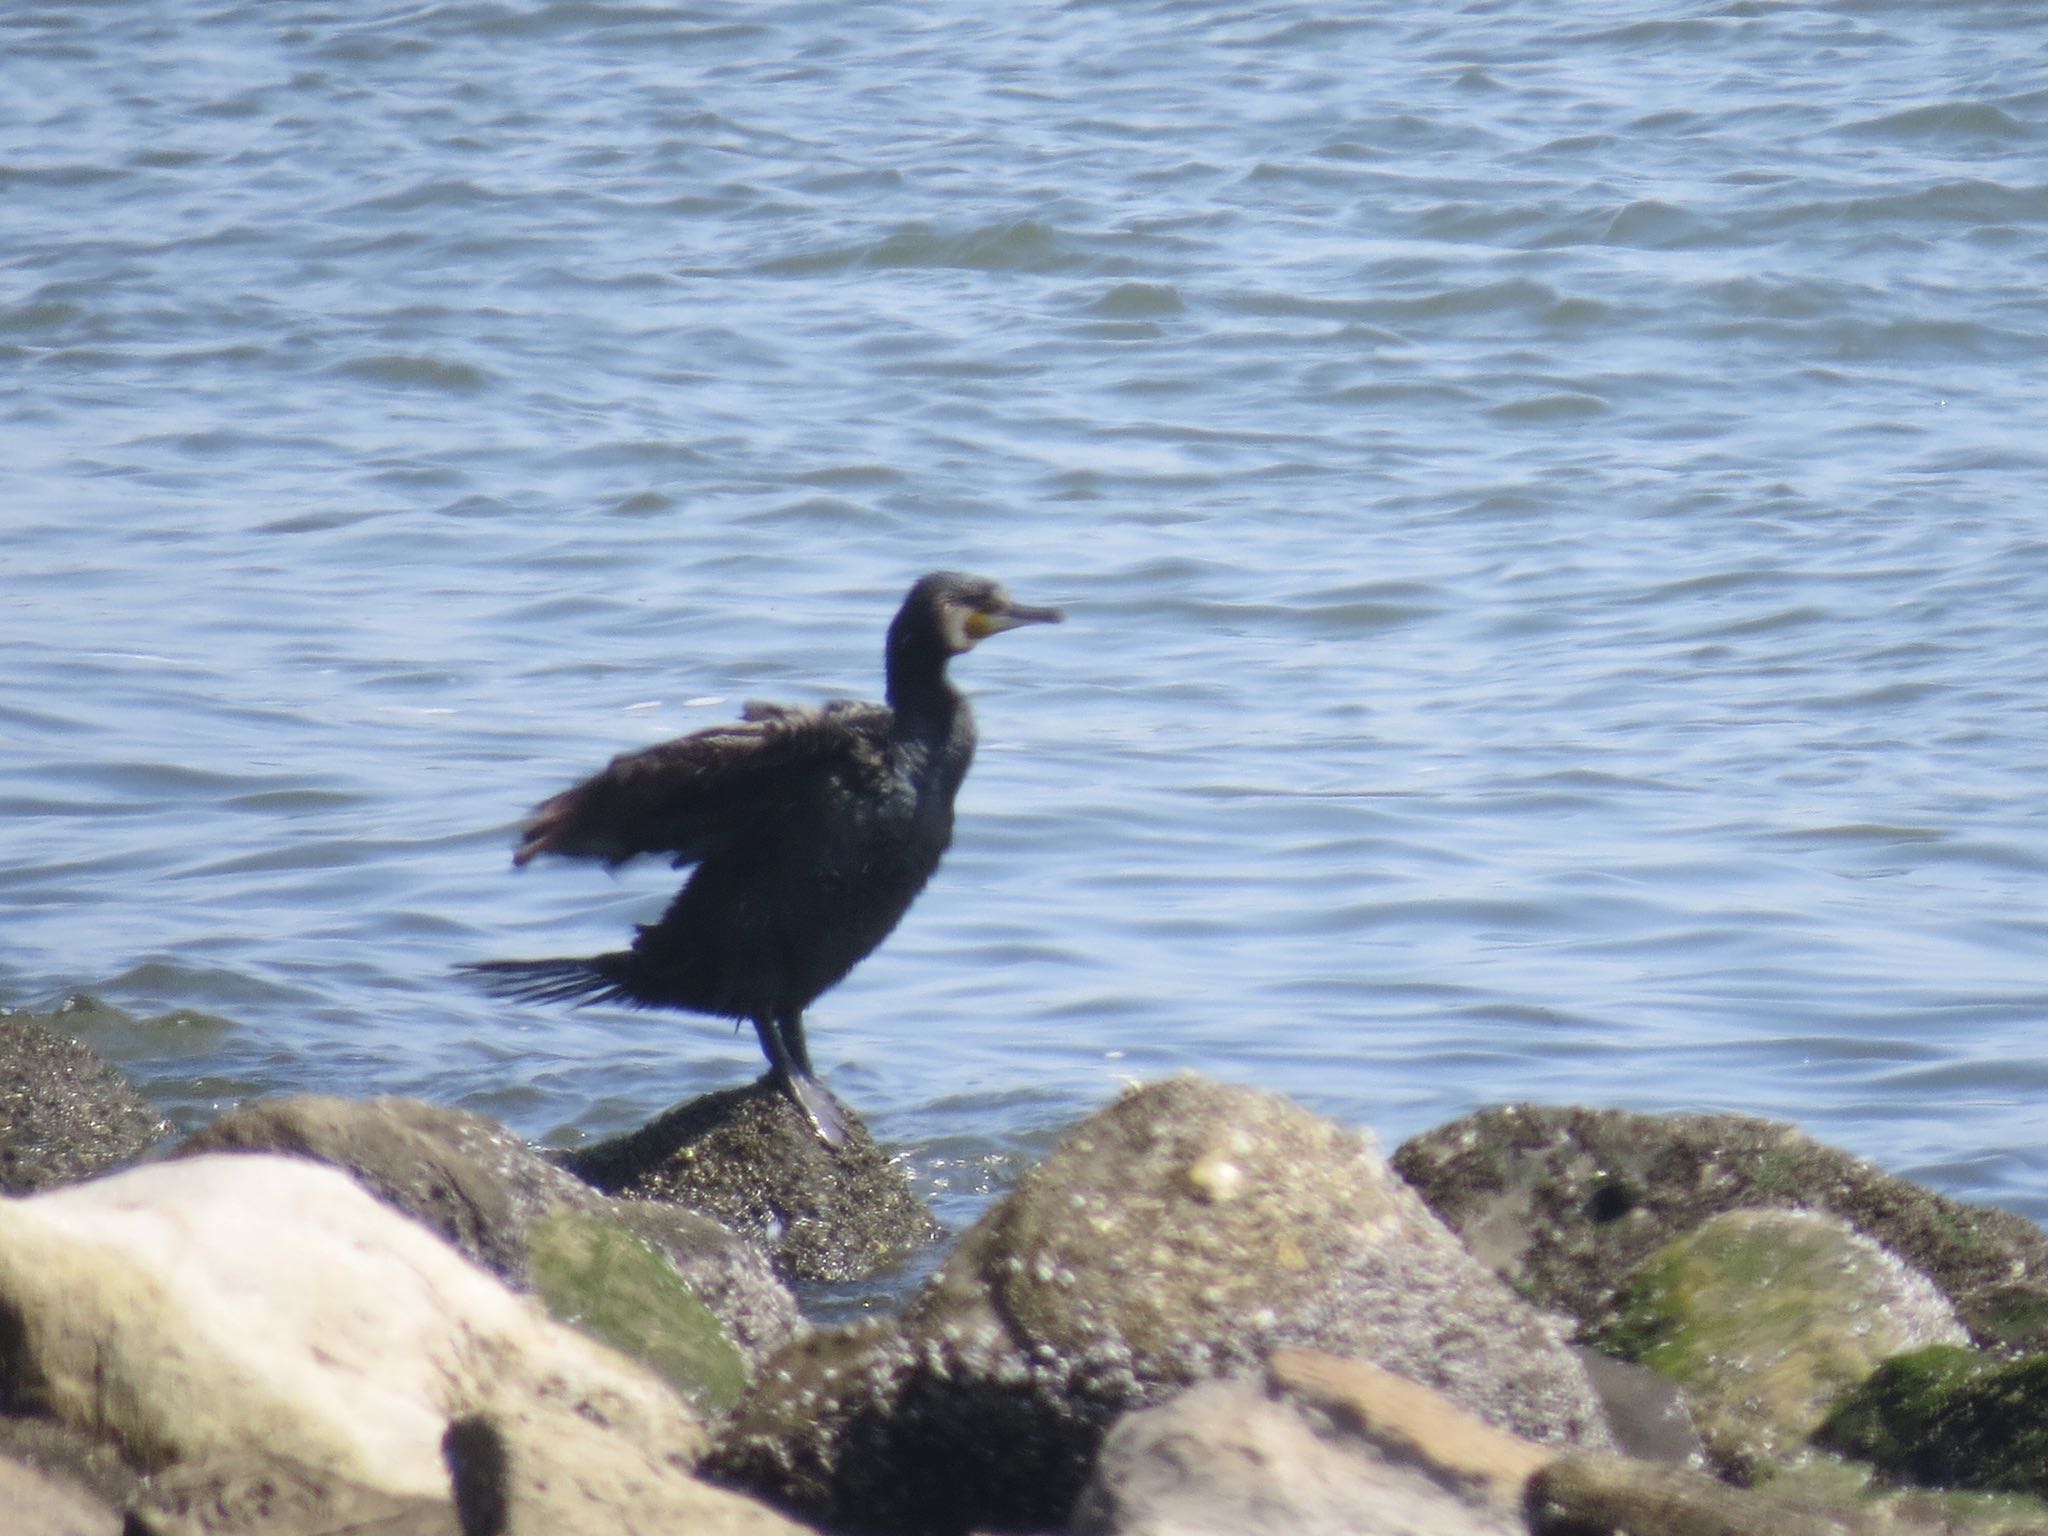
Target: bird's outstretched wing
pixel 687 797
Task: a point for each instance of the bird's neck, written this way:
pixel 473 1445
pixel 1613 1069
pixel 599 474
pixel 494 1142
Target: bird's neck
pixel 920 695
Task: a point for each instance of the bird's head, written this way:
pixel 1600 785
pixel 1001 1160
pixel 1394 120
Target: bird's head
pixel 962 611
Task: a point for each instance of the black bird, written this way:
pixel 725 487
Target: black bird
pixel 812 831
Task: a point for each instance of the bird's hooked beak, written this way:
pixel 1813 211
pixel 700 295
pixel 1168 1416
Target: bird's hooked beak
pixel 984 622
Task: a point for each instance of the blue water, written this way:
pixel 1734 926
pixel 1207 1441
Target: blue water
pixel 1549 500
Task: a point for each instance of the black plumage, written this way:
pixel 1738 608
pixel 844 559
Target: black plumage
pixel 812 831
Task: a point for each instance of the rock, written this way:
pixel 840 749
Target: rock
pixel 750 1158
pixel 1223 1459
pixel 1952 1418
pixel 1819 1481
pixel 266 1495
pixel 1418 1428
pixel 1376 1455
pixel 39 1505
pixel 1564 1203
pixel 64 1113
pixel 1647 1414
pixel 1609 1496
pixel 510 1209
pixel 59 1454
pixel 519 1474
pixel 609 1281
pixel 211 1310
pixel 1182 1234
pixel 1764 1318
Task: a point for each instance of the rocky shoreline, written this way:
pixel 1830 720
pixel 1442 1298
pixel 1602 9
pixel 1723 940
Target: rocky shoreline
pixel 1208 1311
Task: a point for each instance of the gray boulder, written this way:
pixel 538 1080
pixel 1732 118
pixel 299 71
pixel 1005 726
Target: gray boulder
pixel 1180 1235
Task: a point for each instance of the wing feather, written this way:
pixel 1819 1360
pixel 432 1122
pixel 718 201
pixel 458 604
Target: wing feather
pixel 688 797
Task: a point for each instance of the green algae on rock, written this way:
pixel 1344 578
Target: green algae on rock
pixel 1950 1418
pixel 1764 1318
pixel 618 1286
pixel 1563 1203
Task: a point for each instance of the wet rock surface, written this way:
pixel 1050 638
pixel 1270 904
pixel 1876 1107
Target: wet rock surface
pixel 1565 1203
pixel 749 1157
pixel 65 1114
pixel 1180 1235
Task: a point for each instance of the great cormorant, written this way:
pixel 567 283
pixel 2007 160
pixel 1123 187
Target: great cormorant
pixel 812 831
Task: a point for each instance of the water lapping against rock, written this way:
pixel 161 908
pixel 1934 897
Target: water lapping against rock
pixel 1545 501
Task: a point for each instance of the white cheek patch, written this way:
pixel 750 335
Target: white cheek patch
pixel 953 624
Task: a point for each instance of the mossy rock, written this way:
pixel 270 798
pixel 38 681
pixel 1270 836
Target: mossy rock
pixel 1563 1203
pixel 1765 1318
pixel 613 1284
pixel 1951 1418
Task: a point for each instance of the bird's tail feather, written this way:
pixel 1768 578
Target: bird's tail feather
pixel 581 982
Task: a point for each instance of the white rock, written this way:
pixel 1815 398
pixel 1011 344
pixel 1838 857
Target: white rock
pixel 233 1303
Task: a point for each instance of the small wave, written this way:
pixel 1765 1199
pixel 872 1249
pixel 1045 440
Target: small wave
pixel 1562 405
pixel 78 174
pixel 40 317
pixel 1918 338
pixel 1876 834
pixel 1137 301
pixel 1320 29
pixel 1973 201
pixel 439 195
pixel 825 514
pixel 852 475
pixel 1687 33
pixel 1655 225
pixel 1491 223
pixel 1507 294
pixel 406 371
pixel 1017 245
pixel 660 452
pixel 1943 122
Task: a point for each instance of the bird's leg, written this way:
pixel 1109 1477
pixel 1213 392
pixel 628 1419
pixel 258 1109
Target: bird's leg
pixel 782 1041
pixel 791 1027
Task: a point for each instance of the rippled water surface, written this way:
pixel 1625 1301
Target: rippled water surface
pixel 1549 497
